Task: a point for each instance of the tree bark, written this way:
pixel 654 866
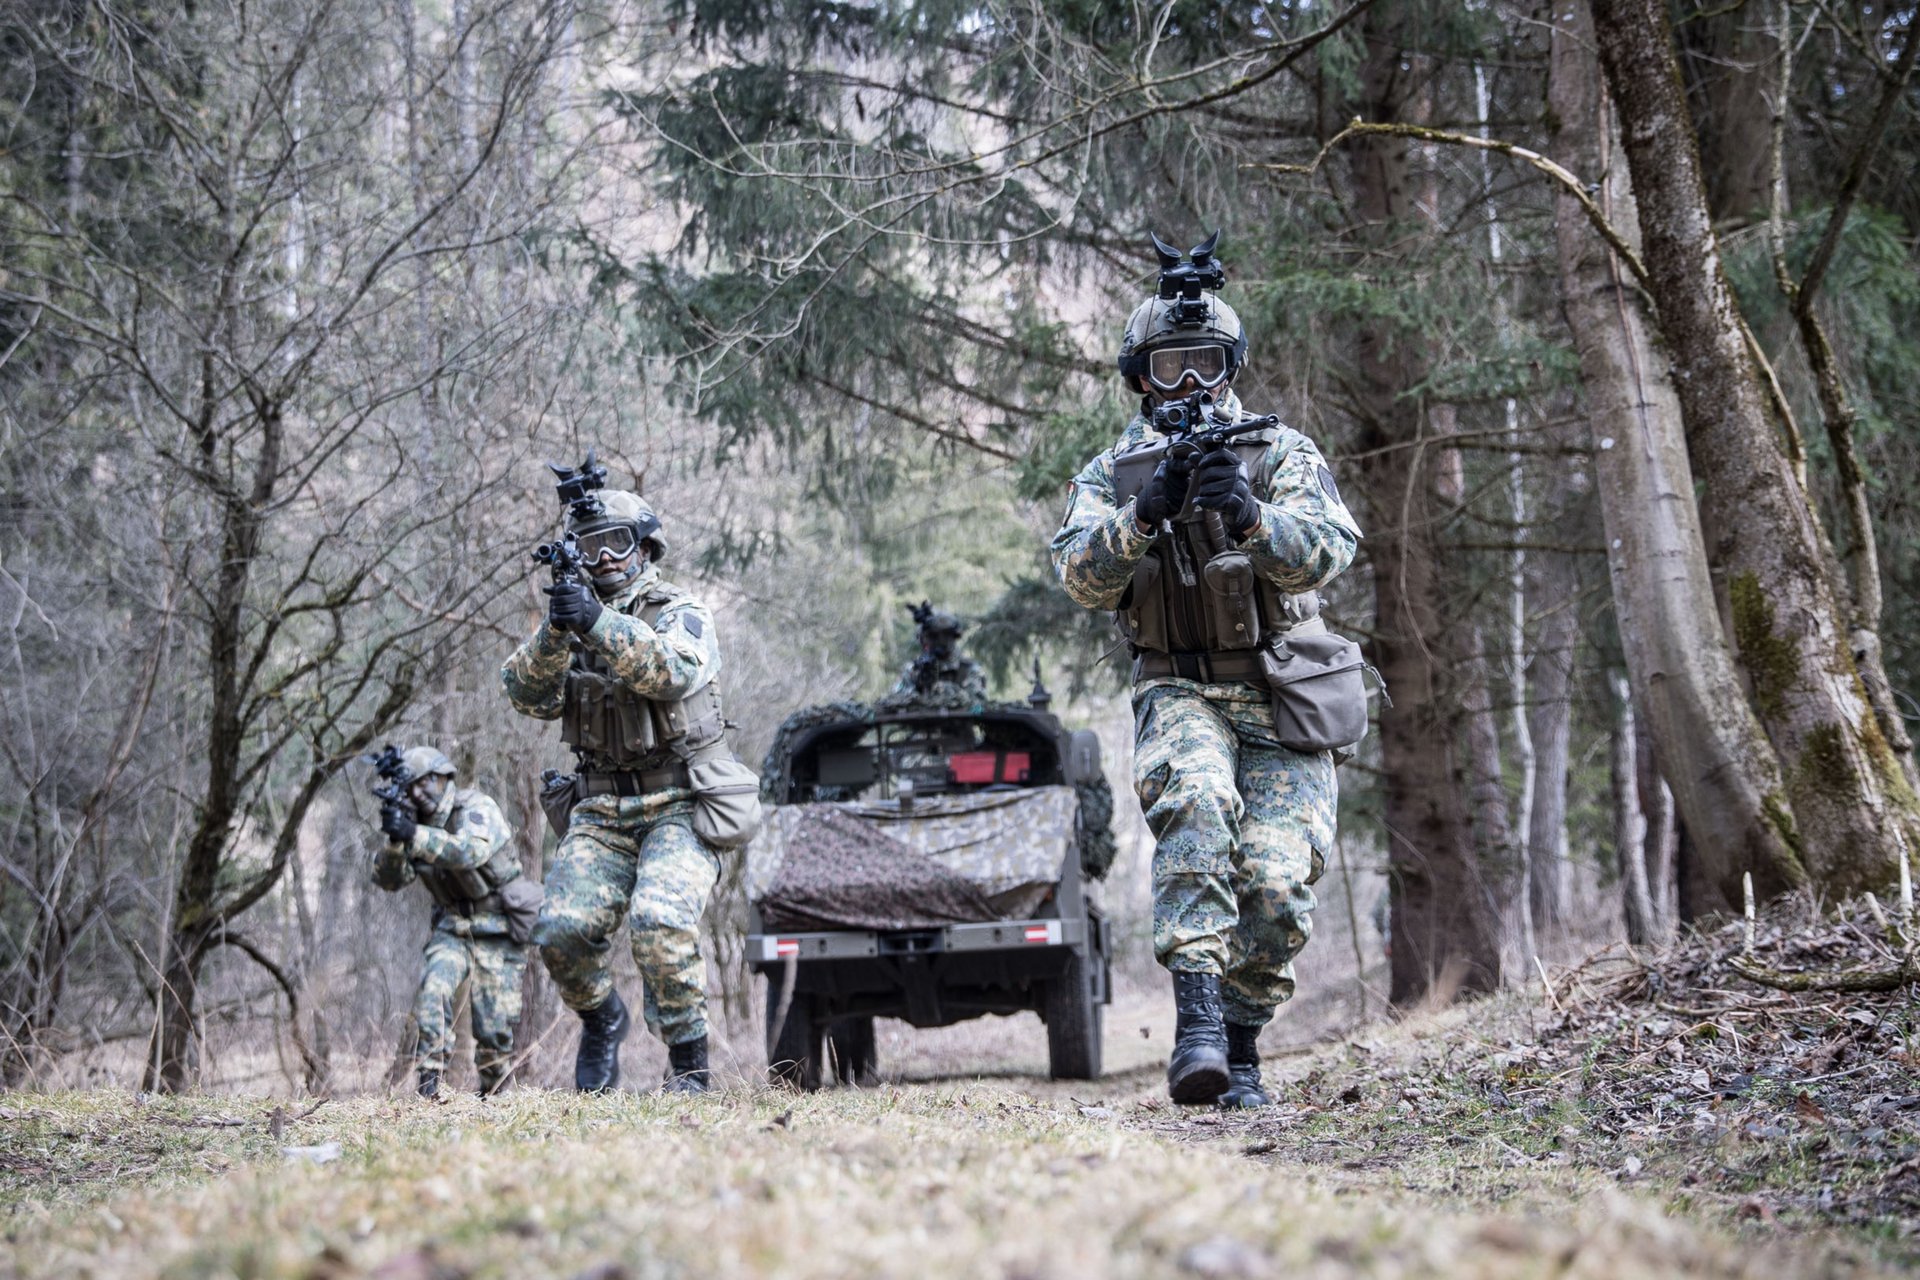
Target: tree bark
pixel 1725 778
pixel 1550 720
pixel 1731 60
pixel 1445 933
pixel 1663 830
pixel 1629 820
pixel 1848 798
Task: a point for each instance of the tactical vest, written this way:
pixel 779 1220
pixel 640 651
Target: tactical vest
pixel 466 891
pixel 1208 612
pixel 613 729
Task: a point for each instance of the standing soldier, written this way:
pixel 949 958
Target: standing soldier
pixel 940 673
pixel 1209 559
pixel 457 843
pixel 628 667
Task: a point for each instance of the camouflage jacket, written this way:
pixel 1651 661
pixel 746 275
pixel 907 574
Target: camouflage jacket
pixel 956 680
pixel 674 657
pixel 1305 536
pixel 440 842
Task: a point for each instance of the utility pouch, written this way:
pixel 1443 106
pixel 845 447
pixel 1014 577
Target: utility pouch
pixel 1231 601
pixel 726 801
pixel 520 900
pixel 559 792
pixel 1319 691
pixel 469 881
pixel 1144 618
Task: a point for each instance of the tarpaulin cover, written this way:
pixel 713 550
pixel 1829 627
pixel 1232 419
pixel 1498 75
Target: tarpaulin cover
pixel 945 860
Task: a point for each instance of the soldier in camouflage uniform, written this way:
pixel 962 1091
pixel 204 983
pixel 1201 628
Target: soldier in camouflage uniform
pixel 1241 823
pixel 941 673
pixel 629 668
pixel 458 845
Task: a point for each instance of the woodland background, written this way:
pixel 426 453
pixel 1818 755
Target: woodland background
pixel 1608 337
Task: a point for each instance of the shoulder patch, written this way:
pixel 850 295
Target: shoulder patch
pixel 691 621
pixel 1331 489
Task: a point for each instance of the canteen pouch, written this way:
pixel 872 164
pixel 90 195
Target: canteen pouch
pixel 1319 691
pixel 559 792
pixel 520 900
pixel 726 801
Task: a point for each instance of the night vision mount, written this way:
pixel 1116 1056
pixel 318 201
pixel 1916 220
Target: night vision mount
pixel 1183 279
pixel 575 485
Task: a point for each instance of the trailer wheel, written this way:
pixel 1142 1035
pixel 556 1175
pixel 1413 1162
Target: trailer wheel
pixel 1075 1021
pixel 794 1046
pixel 852 1052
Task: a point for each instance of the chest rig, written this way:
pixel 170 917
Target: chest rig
pixel 1197 608
pixel 465 891
pixel 616 731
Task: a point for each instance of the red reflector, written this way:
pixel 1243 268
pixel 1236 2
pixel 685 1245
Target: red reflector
pixel 1036 933
pixel 979 767
pixel 787 947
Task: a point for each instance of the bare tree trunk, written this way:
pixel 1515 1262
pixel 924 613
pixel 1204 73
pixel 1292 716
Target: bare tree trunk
pixel 1550 720
pixel 1663 831
pixel 1847 793
pixel 1629 823
pixel 1725 778
pixel 1441 921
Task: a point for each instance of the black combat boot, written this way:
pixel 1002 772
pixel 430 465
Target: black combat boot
pixel 687 1068
pixel 1197 1072
pixel 429 1085
pixel 1243 1068
pixel 596 1064
pixel 494 1079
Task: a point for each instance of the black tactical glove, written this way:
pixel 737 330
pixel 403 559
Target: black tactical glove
pixel 571 607
pixel 397 823
pixel 1165 492
pixel 1220 484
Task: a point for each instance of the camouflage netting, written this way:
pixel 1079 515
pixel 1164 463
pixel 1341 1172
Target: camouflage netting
pixel 773 770
pixel 1093 829
pixel 952 859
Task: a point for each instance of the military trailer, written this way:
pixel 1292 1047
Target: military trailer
pixel 932 863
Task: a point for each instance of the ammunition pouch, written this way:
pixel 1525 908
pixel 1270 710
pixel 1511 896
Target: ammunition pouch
pixel 1319 690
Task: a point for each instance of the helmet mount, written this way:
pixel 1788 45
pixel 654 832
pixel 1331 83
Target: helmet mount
pixel 1181 282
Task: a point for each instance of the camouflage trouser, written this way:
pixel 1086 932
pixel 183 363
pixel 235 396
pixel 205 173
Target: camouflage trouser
pixel 635 859
pixel 491 967
pixel 1241 826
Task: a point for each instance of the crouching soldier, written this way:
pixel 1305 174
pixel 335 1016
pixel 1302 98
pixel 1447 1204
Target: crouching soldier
pixel 457 844
pixel 628 664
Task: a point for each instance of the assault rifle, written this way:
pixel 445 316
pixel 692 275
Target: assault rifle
pixel 562 555
pixel 395 779
pixel 1194 431
pixel 576 486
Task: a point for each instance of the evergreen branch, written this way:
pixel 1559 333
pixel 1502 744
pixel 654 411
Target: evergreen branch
pixel 1558 173
pixel 908 416
pixel 1816 271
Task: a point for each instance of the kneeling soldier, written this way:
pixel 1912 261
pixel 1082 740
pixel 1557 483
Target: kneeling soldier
pixel 457 843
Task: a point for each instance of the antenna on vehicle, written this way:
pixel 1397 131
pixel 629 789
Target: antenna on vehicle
pixel 1039 699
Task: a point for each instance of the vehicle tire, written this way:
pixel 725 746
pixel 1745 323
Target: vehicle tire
pixel 1074 1021
pixel 794 1048
pixel 852 1052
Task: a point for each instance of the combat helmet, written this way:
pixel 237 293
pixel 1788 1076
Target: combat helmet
pixel 618 509
pixel 1198 334
pixel 423 762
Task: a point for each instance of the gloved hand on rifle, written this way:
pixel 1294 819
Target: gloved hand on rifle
pixel 1165 492
pixel 1220 484
pixel 572 607
pixel 397 823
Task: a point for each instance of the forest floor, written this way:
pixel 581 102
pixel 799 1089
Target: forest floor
pixel 1652 1116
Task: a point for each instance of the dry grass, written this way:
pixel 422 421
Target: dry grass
pixel 1516 1137
pixel 997 1178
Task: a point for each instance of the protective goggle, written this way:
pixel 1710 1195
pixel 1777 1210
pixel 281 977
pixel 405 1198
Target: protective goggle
pixel 617 540
pixel 1169 367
